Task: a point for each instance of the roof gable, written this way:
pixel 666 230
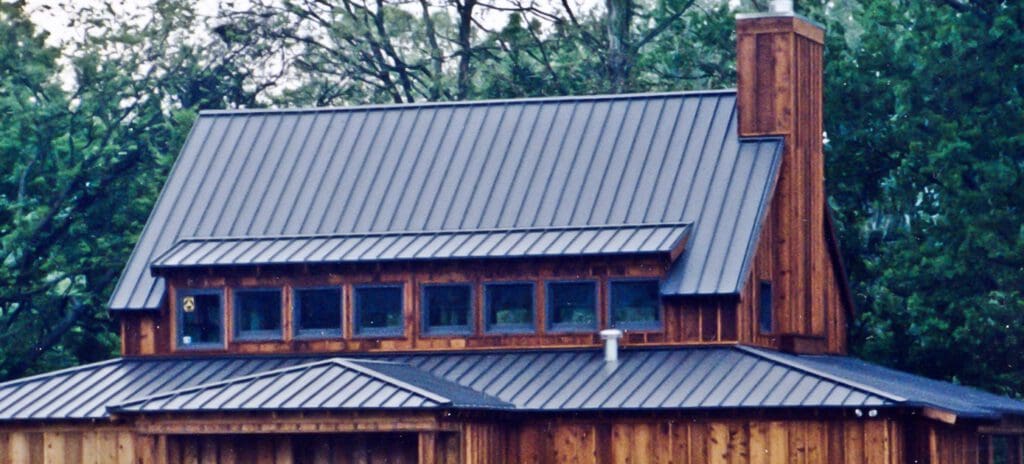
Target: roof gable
pixel 515 164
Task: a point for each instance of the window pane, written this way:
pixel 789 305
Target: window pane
pixel 635 303
pixel 379 310
pixel 258 313
pixel 572 305
pixel 447 307
pixel 318 311
pixel 200 319
pixel 764 313
pixel 509 306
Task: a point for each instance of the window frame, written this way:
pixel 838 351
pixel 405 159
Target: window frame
pixel 570 327
pixel 443 330
pixel 761 286
pixel 657 325
pixel 496 328
pixel 377 332
pixel 317 334
pixel 179 319
pixel 255 335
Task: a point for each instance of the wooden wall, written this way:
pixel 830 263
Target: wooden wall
pixel 642 438
pixel 779 92
pixel 710 441
pixel 696 320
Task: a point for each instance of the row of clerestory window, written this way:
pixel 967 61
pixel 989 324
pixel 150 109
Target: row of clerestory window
pixel 446 309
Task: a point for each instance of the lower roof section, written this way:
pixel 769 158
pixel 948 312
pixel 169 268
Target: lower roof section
pixel 669 379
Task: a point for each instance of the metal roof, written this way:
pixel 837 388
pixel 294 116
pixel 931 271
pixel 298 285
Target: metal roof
pixel 402 246
pixel 514 164
pixel 698 378
pixel 328 384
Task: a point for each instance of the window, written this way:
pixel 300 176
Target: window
pixel 200 319
pixel 257 313
pixel 447 308
pixel 317 312
pixel 764 307
pixel 1000 449
pixel 635 304
pixel 572 306
pixel 509 307
pixel 378 310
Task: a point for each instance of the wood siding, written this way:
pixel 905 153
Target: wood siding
pixel 779 64
pixel 691 320
pixel 642 438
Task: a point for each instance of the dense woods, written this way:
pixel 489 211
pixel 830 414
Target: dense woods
pixel 923 116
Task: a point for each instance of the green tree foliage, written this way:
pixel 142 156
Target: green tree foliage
pixel 926 161
pixel 84 148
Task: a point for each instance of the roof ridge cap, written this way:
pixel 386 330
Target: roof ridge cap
pixel 461 103
pixel 777 359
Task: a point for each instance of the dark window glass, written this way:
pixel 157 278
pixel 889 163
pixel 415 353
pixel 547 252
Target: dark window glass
pixel 378 310
pixel 635 304
pixel 509 307
pixel 1000 449
pixel 764 312
pixel 572 305
pixel 318 311
pixel 447 308
pixel 200 319
pixel 257 313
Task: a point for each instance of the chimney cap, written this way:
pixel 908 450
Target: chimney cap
pixel 782 6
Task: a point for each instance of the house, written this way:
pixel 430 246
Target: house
pixel 629 278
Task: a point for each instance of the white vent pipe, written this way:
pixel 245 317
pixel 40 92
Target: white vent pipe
pixel 782 6
pixel 611 344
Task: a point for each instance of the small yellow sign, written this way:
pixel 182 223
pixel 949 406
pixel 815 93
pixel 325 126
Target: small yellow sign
pixel 188 304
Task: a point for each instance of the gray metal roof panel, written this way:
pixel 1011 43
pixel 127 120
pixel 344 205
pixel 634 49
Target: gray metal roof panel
pixel 495 243
pixel 669 378
pixel 518 164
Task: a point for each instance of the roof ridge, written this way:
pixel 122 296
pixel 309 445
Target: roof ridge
pixel 777 359
pixel 227 238
pixel 458 103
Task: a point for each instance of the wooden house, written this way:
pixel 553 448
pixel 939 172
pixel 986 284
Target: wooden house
pixel 629 278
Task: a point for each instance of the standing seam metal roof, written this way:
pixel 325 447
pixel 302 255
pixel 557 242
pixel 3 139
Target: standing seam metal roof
pixel 532 163
pixel 404 246
pixel 552 380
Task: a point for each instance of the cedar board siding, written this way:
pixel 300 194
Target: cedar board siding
pixel 779 63
pixel 692 320
pixel 686 320
pixel 618 439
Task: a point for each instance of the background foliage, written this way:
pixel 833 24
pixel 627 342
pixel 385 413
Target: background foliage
pixel 924 113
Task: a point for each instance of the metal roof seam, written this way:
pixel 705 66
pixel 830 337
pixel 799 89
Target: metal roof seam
pixel 628 152
pixel 501 162
pixel 380 165
pixel 408 386
pixel 761 215
pixel 851 384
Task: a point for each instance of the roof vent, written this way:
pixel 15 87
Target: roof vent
pixel 782 6
pixel 611 344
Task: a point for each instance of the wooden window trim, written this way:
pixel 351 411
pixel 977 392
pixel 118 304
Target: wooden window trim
pixel 564 327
